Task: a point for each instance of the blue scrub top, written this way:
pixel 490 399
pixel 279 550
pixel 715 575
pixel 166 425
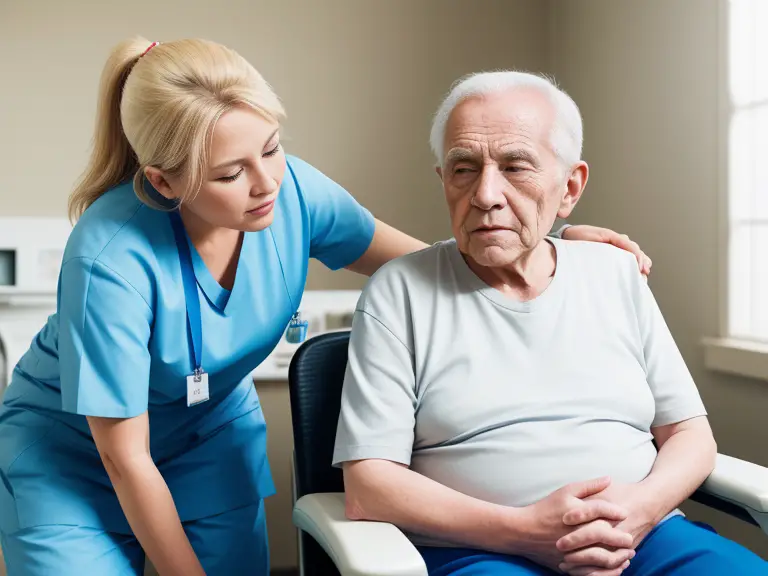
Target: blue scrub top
pixel 119 345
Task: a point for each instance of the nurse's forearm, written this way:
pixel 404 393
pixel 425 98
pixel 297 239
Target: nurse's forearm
pixel 123 444
pixel 149 508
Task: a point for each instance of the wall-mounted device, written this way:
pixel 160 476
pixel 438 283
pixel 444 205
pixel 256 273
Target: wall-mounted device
pixel 31 251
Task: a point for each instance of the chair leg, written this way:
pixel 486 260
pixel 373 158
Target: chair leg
pixel 300 539
pixel 299 534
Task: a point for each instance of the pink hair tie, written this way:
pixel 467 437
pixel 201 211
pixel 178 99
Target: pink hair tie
pixel 148 49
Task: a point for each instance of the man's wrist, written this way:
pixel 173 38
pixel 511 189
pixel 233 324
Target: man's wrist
pixel 650 502
pixel 517 528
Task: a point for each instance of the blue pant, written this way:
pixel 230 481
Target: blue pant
pixel 676 547
pixel 230 544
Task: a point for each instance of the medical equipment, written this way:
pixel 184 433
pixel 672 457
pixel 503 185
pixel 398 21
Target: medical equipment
pixel 31 250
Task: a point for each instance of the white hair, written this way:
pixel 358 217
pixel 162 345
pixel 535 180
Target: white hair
pixel 567 131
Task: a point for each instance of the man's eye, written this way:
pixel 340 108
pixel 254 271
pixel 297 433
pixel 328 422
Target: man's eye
pixel 462 170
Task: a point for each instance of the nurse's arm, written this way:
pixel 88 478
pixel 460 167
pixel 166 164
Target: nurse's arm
pixel 123 444
pixel 388 243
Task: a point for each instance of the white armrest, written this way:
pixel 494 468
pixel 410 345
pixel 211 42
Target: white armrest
pixel 740 482
pixel 357 548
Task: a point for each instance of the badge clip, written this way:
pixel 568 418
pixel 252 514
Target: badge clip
pixel 297 329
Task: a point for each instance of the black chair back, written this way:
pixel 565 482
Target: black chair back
pixel 315 380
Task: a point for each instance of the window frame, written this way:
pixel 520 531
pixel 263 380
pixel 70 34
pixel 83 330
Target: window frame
pixel 725 353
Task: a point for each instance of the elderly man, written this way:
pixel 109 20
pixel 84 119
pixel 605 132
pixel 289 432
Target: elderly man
pixel 506 392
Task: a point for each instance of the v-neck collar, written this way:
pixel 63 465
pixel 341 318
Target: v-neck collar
pixel 216 294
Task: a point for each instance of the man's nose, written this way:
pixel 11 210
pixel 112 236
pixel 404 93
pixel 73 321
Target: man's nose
pixel 489 194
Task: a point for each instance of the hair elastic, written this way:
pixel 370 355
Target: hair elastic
pixel 148 49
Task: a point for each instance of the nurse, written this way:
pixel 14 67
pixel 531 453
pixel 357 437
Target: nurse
pixel 132 425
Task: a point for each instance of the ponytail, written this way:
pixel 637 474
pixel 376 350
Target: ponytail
pixel 112 160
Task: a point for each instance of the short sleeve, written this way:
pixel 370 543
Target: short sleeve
pixel 557 232
pixel 673 388
pixel 341 229
pixel 378 401
pixel 104 332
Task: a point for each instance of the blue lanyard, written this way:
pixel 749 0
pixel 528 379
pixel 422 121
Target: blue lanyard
pixel 191 296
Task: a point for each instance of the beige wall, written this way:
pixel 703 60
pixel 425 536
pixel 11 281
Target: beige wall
pixel 645 76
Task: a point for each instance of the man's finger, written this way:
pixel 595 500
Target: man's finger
pixel 592 570
pixel 588 487
pixel 590 510
pixel 599 556
pixel 595 533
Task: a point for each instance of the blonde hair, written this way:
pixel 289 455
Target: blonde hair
pixel 159 108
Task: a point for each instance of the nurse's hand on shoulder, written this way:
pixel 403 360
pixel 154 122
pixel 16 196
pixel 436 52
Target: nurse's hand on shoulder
pixel 596 234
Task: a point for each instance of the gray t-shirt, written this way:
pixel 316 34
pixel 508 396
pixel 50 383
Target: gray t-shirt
pixel 508 401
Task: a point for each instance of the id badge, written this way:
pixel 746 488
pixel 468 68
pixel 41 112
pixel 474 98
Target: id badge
pixel 197 388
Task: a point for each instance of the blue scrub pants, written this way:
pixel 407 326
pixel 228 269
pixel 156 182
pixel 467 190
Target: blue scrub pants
pixel 676 547
pixel 230 544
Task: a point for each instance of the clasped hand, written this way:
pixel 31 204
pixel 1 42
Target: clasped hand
pixel 586 529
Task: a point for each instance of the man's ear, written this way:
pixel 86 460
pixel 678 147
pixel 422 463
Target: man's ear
pixel 159 182
pixel 574 187
pixel 439 171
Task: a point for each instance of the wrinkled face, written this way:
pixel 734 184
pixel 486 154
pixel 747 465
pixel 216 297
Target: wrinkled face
pixel 502 180
pixel 243 176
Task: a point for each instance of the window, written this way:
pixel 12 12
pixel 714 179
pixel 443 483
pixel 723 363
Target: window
pixel 743 347
pixel 747 184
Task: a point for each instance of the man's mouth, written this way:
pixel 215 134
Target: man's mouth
pixel 490 229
